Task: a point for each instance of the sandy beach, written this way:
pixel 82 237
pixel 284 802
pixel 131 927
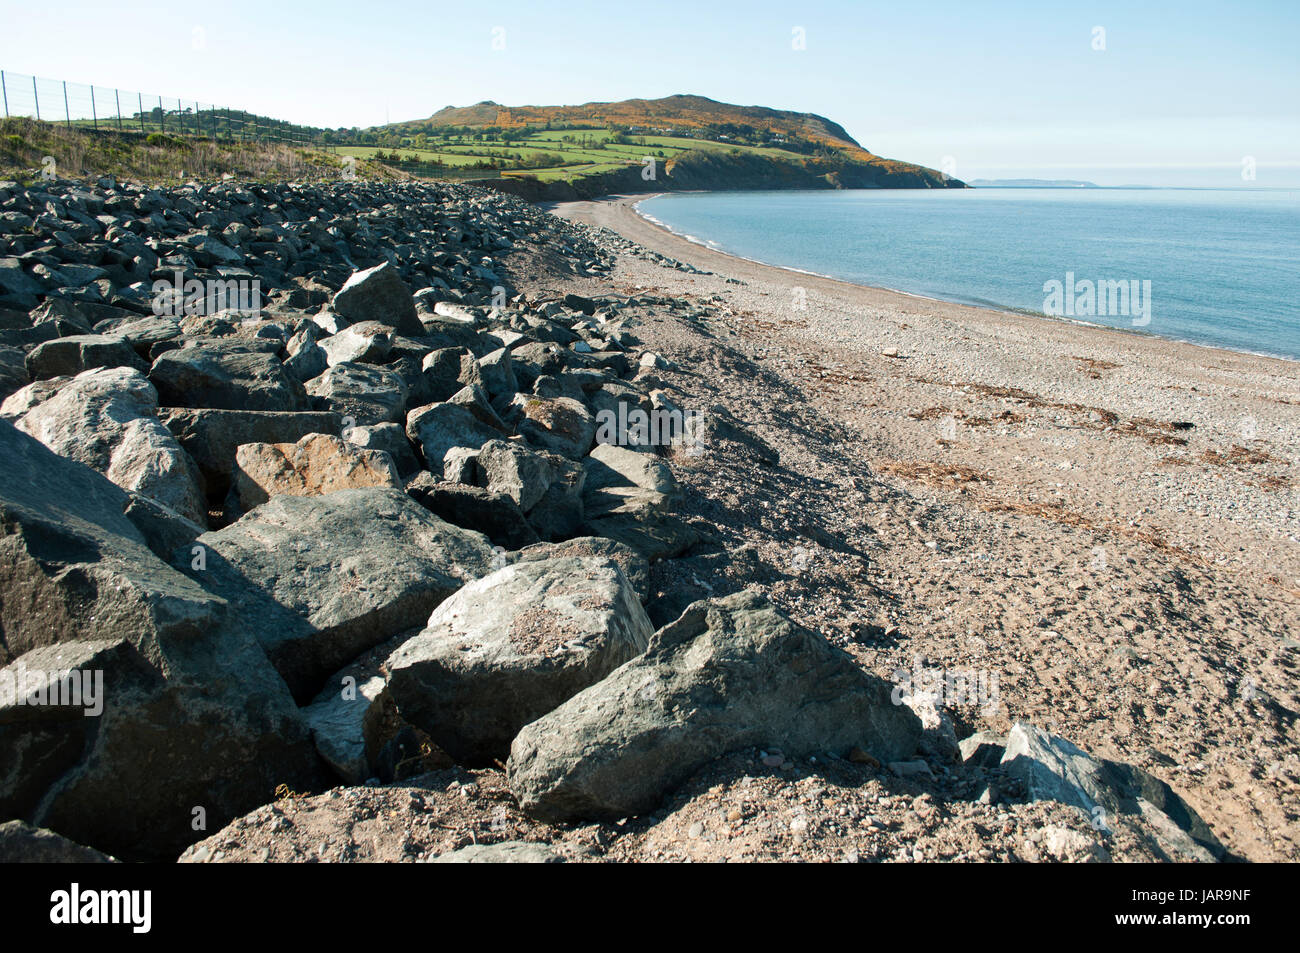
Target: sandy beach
pixel 1108 523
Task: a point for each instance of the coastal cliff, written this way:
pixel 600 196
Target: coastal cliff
pixel 728 172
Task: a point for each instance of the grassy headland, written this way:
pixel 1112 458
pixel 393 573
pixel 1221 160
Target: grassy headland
pixel 680 142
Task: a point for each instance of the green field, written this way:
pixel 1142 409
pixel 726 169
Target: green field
pixel 550 155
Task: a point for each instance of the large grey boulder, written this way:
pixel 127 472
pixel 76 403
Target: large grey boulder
pixel 562 385
pixel 623 415
pixel 1053 769
pixel 225 377
pixel 21 843
pixel 559 514
pixel 320 579
pixel 438 428
pixel 984 749
pixel 307 362
pixel 25 398
pixel 629 495
pixel 534 359
pixel 64 357
pixel 498 373
pixel 655 537
pixel 164 530
pixel 362 394
pixel 390 438
pixel 347 718
pixel 633 564
pixel 622 481
pixel 514 470
pixel 17 330
pixel 495 515
pixel 475 399
pixel 144 332
pixel 458 313
pixel 730 673
pixel 609 466
pixel 559 424
pixel 446 370
pixel 368 343
pixel 304 357
pixel 194 723
pixel 13 370
pixel 507 649
pixel 379 294
pixel 61 316
pixel 107 420
pixel 14 281
pixel 212 437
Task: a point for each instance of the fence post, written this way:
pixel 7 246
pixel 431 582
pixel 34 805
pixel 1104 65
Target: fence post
pixel 139 99
pixel 180 116
pixel 37 99
pixel 94 113
pixel 162 115
pixel 117 98
pixel 4 89
pixel 67 113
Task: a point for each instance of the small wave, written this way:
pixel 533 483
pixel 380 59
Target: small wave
pixel 716 246
pixel 957 298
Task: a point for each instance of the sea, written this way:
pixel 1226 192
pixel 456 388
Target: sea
pixel 1209 266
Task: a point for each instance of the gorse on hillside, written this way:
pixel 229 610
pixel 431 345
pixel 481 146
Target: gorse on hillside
pixel 673 115
pixel 688 141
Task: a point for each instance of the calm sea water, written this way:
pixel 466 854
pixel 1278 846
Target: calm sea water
pixel 1223 266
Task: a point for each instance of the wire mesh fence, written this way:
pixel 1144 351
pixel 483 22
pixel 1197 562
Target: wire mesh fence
pixel 104 109
pixel 129 111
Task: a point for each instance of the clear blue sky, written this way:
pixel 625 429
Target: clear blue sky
pixel 1180 94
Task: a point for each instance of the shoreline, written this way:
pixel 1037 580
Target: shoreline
pixel 1108 522
pixel 1193 405
pixel 633 202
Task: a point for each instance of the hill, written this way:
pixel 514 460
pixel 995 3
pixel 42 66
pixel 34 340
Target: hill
pixel 678 142
pixel 672 113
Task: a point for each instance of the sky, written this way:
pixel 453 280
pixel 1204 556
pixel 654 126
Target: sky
pixel 1185 94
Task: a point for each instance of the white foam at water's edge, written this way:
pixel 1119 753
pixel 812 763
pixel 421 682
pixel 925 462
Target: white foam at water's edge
pixel 715 246
pixel 985 306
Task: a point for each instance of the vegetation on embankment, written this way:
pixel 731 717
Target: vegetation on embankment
pixel 28 145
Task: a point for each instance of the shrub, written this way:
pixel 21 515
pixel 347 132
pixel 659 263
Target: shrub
pixel 164 141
